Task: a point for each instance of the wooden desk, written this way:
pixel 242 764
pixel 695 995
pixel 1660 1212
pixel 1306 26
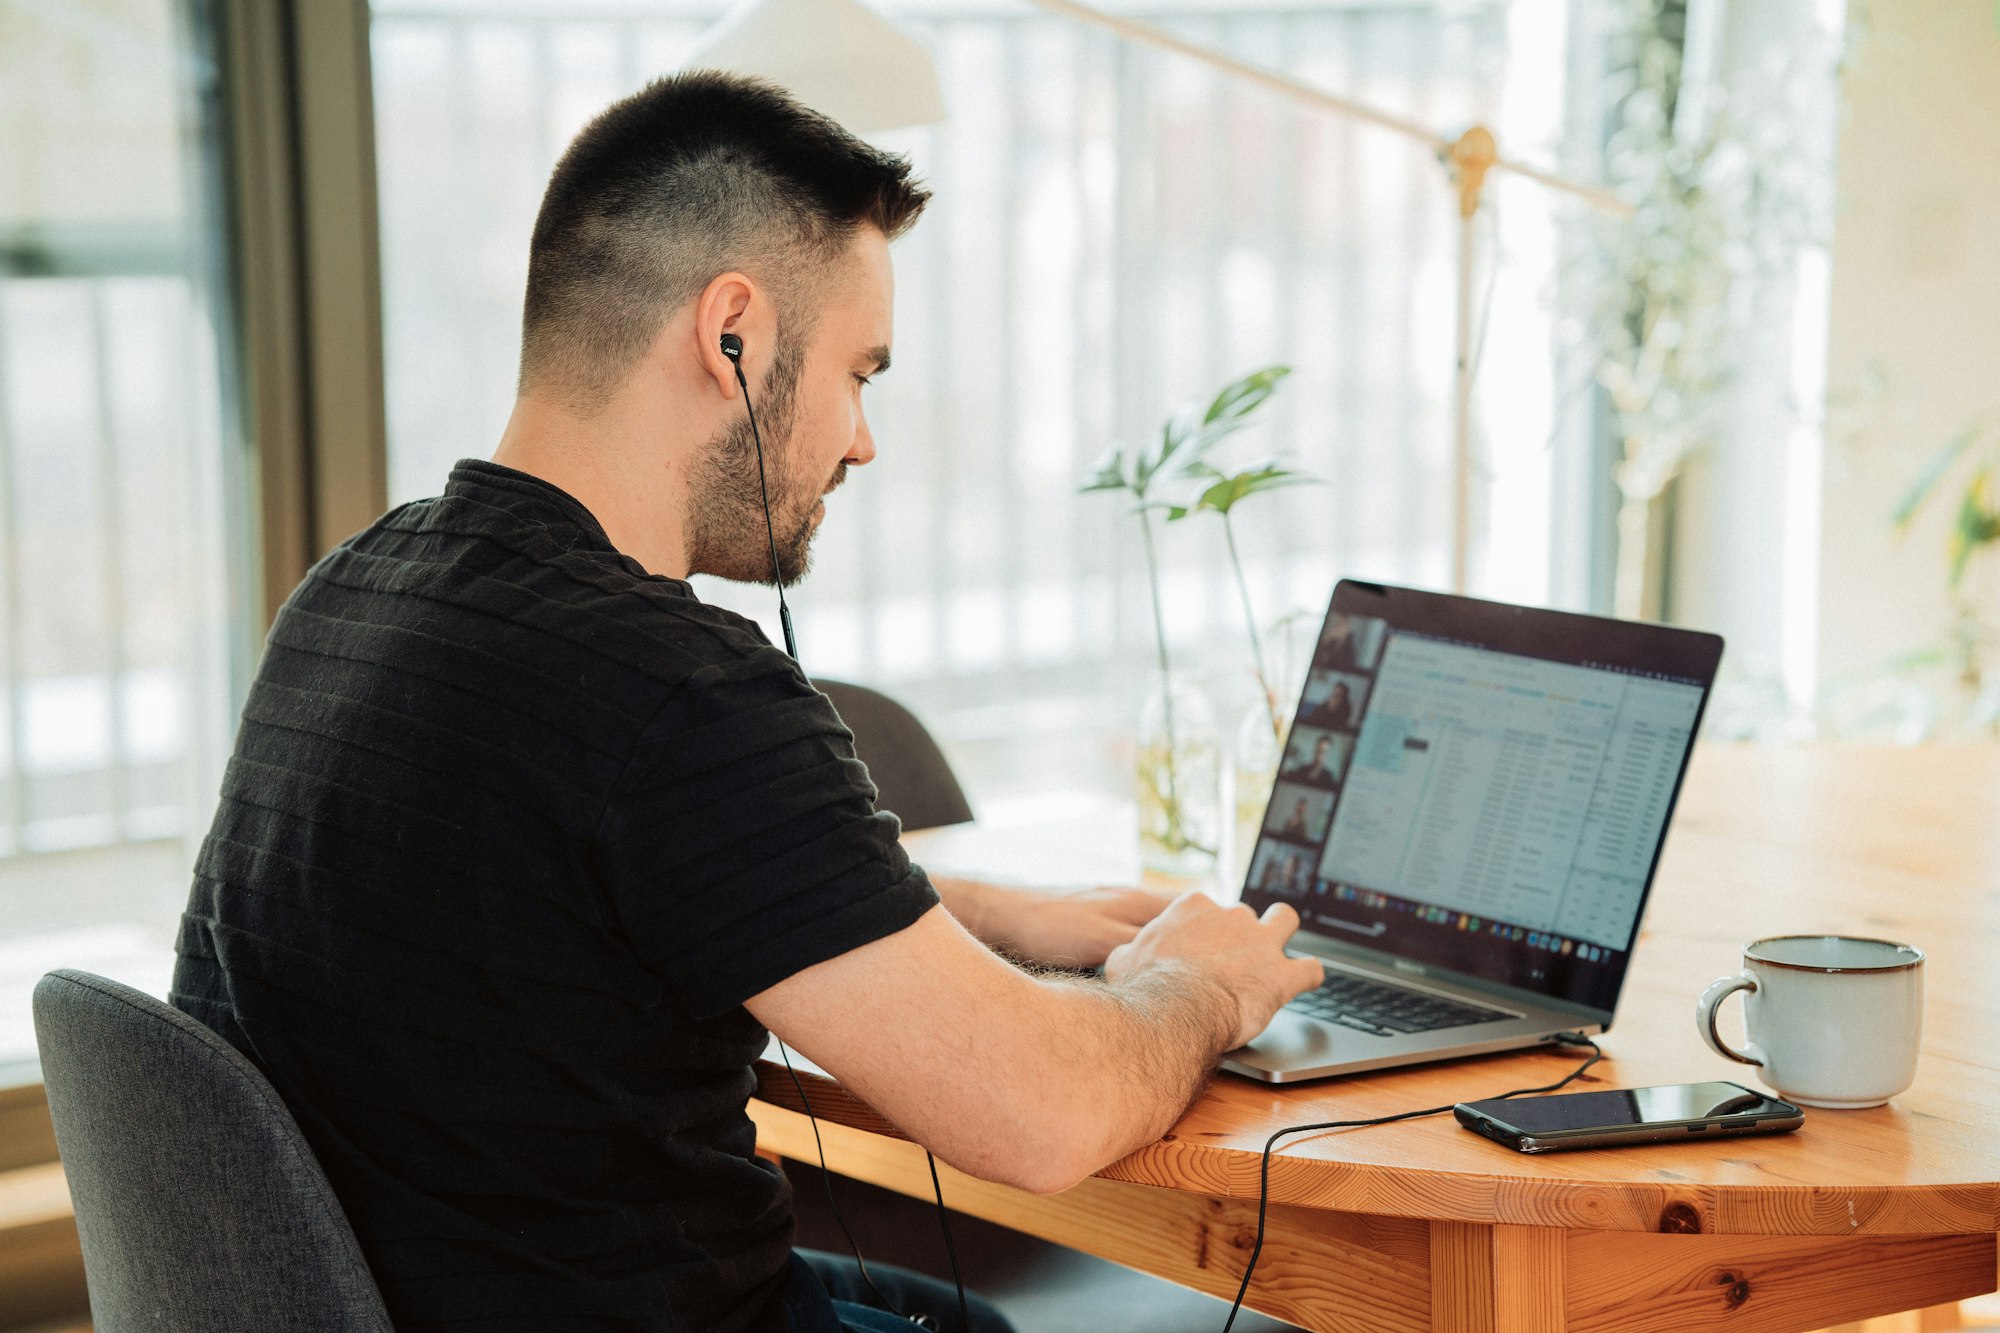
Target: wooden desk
pixel 1422 1225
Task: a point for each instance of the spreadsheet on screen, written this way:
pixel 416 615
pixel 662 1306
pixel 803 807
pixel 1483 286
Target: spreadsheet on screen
pixel 1511 787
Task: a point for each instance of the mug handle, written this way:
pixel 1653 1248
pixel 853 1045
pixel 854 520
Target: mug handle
pixel 1705 1012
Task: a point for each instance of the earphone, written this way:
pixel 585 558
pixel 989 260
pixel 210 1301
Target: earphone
pixel 732 347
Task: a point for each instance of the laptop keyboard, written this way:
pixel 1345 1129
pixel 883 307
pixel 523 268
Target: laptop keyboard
pixel 1388 1011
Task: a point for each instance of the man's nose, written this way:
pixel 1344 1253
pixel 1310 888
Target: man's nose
pixel 863 448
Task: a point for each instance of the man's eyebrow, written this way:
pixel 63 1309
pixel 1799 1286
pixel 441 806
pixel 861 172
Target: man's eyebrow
pixel 880 356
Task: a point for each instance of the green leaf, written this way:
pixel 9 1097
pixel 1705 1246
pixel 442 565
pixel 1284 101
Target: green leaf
pixel 1175 513
pixel 1976 525
pixel 1185 437
pixel 1181 434
pixel 1229 489
pixel 1245 396
pixel 1108 472
pixel 1223 495
pixel 1934 472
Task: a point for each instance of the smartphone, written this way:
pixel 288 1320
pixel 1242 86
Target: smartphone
pixel 1674 1111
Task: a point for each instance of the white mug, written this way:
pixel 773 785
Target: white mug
pixel 1832 1020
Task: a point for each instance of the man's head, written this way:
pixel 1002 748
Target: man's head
pixel 714 204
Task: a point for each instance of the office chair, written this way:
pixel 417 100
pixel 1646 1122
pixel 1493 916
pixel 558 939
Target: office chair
pixel 912 776
pixel 198 1202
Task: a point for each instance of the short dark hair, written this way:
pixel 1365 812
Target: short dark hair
pixel 690 177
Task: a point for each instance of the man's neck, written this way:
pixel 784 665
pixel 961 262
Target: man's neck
pixel 633 487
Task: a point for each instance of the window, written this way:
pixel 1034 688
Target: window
pixel 116 629
pixel 1115 231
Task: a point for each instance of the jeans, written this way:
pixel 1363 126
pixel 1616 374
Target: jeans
pixel 824 1293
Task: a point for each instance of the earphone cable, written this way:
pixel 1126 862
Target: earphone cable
pixel 826 1176
pixel 950 1250
pixel 770 534
pixel 1264 1171
pixel 826 1179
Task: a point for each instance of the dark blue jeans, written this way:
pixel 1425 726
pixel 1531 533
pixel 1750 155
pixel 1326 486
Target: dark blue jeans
pixel 824 1293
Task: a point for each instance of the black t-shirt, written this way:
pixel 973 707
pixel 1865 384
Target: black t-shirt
pixel 511 831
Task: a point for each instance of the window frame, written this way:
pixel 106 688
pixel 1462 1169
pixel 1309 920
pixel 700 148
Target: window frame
pixel 299 162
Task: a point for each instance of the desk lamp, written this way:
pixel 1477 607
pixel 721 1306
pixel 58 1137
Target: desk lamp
pixel 839 57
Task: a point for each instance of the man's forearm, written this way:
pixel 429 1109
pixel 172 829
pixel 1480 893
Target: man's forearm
pixel 1131 1056
pixel 970 902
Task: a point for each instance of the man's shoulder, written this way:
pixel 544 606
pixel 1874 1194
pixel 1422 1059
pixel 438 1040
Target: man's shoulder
pixel 467 577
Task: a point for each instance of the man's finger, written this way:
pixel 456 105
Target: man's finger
pixel 1108 931
pixel 1136 906
pixel 1281 920
pixel 1311 972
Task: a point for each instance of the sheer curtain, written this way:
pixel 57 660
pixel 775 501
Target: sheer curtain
pixel 1114 232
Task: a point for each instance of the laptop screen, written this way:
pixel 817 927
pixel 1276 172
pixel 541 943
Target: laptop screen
pixel 1481 787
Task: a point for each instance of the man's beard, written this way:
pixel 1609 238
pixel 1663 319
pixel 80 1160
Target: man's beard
pixel 726 532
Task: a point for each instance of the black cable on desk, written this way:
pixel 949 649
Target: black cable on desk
pixel 1264 1172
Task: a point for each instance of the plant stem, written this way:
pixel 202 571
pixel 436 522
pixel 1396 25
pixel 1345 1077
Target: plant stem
pixel 1250 624
pixel 1173 801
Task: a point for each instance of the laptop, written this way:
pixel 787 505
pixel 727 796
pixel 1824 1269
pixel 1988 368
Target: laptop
pixel 1468 814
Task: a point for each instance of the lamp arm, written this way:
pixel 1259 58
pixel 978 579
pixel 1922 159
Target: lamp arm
pixel 1300 91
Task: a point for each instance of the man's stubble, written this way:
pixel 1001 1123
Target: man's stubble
pixel 726 534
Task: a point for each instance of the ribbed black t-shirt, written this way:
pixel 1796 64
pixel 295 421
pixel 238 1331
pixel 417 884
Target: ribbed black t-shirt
pixel 511 830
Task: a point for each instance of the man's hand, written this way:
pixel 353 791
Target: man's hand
pixel 1228 946
pixel 1077 929
pixel 953 1043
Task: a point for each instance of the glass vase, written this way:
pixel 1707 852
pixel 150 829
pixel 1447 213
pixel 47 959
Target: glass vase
pixel 1179 760
pixel 1256 771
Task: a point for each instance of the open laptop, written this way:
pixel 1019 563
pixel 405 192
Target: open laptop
pixel 1467 816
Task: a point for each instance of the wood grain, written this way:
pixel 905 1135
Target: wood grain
pixel 1529 1279
pixel 1896 843
pixel 1622 1283
pixel 1936 1319
pixel 1488 1279
pixel 1461 1277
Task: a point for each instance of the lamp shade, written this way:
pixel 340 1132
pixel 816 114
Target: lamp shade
pixel 839 57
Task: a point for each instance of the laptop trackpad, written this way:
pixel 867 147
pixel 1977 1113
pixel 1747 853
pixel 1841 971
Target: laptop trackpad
pixel 1295 1042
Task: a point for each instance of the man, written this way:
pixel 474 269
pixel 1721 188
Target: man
pixel 1295 825
pixel 523 848
pixel 1336 710
pixel 1319 767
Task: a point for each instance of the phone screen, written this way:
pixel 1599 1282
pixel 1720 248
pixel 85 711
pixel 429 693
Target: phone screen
pixel 1630 1106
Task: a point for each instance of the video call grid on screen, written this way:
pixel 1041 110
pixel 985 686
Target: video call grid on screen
pixel 1494 806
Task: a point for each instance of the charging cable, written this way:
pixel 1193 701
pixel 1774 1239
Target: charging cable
pixel 1264 1172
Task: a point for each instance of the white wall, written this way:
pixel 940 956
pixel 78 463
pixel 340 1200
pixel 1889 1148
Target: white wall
pixel 1914 349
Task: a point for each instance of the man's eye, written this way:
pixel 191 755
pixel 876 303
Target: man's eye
pixel 864 379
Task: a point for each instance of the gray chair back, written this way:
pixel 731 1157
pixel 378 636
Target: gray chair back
pixel 912 777
pixel 198 1202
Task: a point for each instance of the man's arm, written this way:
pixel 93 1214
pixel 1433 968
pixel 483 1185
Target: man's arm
pixel 1039 1081
pixel 1074 929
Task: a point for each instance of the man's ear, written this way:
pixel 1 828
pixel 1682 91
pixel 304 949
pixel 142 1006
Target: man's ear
pixel 733 303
